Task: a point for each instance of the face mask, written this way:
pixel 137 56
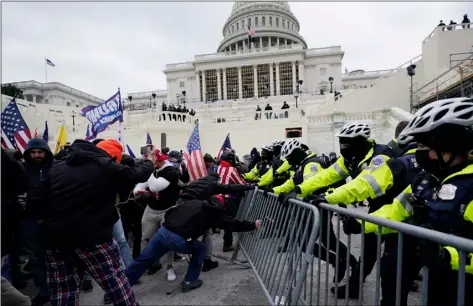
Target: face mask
pixel 429 165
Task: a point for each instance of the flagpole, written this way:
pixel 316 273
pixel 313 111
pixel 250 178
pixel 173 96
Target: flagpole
pixel 45 70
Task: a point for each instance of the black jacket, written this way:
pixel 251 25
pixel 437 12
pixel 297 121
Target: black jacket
pixel 196 211
pixel 79 195
pixel 14 182
pixel 36 173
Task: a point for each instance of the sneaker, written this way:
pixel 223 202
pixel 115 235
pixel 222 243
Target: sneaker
pixel 87 286
pixel 171 276
pixel 107 300
pixel 178 257
pixel 189 286
pixel 40 300
pixel 154 268
pixel 209 265
pixel 228 248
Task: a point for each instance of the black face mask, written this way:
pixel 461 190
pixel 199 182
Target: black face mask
pixel 296 157
pixel 355 150
pixel 436 167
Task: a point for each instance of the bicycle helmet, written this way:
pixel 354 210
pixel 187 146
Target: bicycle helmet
pixel 457 111
pixel 278 143
pixel 267 148
pixel 352 130
pixel 289 147
pixel 403 139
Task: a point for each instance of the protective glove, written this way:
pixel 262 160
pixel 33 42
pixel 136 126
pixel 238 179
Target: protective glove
pixel 351 226
pixel 434 255
pixel 266 190
pixel 317 199
pixel 290 195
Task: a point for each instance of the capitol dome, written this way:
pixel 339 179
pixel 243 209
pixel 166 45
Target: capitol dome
pixel 273 22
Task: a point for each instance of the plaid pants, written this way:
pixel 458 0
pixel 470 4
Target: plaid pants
pixel 66 271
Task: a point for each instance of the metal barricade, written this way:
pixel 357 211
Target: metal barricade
pixel 407 238
pixel 281 251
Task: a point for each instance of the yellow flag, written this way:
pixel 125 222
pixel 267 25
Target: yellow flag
pixel 61 139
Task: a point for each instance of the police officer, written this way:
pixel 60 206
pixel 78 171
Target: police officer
pixel 393 144
pixel 280 168
pixel 359 153
pixel 441 197
pixel 262 166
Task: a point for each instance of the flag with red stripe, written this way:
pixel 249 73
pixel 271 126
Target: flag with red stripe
pixel 195 159
pixel 15 131
pixel 227 145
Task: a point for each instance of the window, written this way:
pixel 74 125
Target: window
pixel 270 21
pixel 68 103
pixel 277 22
pixel 294 132
pixel 283 23
pixel 256 21
pixel 181 84
pixel 249 22
pixel 238 26
pixel 233 28
pixel 288 25
pixel 323 71
pixel 293 27
pixel 243 24
pixel 263 21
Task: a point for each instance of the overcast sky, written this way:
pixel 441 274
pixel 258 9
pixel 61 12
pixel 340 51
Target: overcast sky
pixel 99 46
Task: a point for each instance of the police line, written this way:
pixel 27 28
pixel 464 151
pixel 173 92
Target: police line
pixel 281 253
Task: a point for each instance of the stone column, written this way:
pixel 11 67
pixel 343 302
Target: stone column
pixel 255 79
pixel 277 42
pixel 219 85
pixel 271 80
pixel 261 42
pixel 204 86
pixel 240 85
pixel 294 76
pixel 302 74
pixel 34 99
pixel 225 83
pixel 278 85
pixel 197 86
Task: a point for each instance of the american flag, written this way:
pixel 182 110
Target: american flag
pixel 46 132
pixel 227 145
pixel 251 32
pixel 148 139
pixel 195 159
pixel 15 131
pixel 50 63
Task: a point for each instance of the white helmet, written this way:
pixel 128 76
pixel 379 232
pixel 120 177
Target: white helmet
pixel 277 143
pixel 267 148
pixel 289 147
pixel 404 139
pixel 352 130
pixel 457 111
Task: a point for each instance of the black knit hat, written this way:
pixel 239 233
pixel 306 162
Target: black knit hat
pixel 208 158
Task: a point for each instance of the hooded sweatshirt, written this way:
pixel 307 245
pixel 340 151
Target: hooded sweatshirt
pixel 36 172
pixel 78 198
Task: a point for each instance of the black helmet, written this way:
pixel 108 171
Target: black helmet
pixel 175 157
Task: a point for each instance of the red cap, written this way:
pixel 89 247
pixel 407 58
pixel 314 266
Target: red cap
pixel 160 156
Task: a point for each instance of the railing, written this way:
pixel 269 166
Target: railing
pixel 220 55
pixel 448 27
pixel 57 85
pixel 448 79
pixel 175 117
pixel 288 261
pixel 367 74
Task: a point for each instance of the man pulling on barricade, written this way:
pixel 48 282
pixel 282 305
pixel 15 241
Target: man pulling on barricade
pixel 359 152
pixel 280 171
pixel 196 211
pixel 262 166
pixel 440 198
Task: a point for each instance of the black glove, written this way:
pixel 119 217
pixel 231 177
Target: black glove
pixel 317 199
pixel 351 226
pixel 290 195
pixel 434 255
pixel 266 190
pixel 249 187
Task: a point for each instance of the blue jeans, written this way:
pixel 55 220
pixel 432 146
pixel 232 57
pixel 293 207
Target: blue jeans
pixel 125 252
pixel 162 242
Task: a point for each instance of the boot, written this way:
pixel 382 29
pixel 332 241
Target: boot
pixel 209 264
pixel 354 284
pixel 154 268
pixel 189 286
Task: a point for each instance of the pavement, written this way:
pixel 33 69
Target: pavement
pixel 230 284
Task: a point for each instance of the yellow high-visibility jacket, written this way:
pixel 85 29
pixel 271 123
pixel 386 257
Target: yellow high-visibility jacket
pixel 309 167
pixel 268 178
pixel 453 194
pixel 376 180
pixel 378 154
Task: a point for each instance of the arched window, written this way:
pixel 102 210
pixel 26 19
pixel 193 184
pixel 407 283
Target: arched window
pixel 238 26
pixel 270 21
pixel 256 21
pixel 277 22
pixel 292 26
pixel 283 23
pixel 243 24
pixel 249 22
pixel 233 28
pixel 288 25
pixel 263 21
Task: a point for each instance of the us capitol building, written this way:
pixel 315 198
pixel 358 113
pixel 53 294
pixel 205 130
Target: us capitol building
pixel 274 66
